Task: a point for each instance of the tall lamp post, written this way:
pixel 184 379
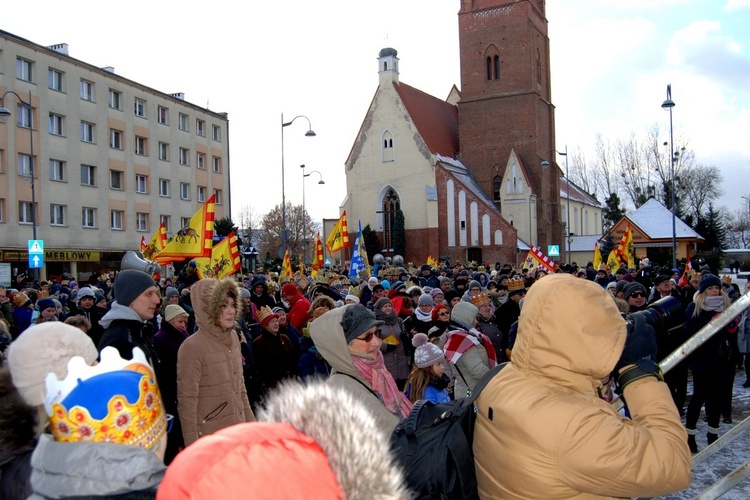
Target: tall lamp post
pixel 4 113
pixel 567 204
pixel 321 181
pixel 309 133
pixel 668 105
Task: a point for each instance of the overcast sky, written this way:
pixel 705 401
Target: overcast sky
pixel 611 63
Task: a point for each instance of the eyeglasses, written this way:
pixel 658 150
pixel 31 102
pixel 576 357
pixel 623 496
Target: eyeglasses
pixel 636 295
pixel 443 313
pixel 368 337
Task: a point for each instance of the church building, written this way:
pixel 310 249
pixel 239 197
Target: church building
pixel 475 174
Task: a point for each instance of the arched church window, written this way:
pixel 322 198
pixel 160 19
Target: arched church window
pixel 497 185
pixel 391 205
pixel 388 153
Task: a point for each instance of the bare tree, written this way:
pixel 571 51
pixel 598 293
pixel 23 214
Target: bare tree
pixel 699 185
pixel 302 230
pixel 737 224
pixel 248 224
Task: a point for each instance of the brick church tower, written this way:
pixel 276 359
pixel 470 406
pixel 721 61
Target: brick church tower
pixel 505 102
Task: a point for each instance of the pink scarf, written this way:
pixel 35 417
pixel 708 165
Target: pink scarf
pixel 381 381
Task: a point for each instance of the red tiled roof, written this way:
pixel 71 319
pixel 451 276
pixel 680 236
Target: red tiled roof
pixel 436 120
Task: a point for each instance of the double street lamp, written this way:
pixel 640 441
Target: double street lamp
pixel 309 133
pixel 4 113
pixel 668 104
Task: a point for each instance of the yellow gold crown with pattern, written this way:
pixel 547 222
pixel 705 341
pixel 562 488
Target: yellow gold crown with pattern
pixel 515 285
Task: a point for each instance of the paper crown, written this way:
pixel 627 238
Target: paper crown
pixel 515 285
pixel 480 299
pixel 115 401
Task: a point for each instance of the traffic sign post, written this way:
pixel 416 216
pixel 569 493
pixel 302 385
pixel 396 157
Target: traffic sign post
pixel 553 250
pixel 36 254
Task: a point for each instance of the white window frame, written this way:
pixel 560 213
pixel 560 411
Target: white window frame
pixel 116 220
pixel 24 69
pixel 2 209
pixel 57 215
pixel 140 107
pixel 218 194
pixel 164 188
pixel 115 99
pixel 141 184
pixel 87 90
pixel 24 165
pixel 184 191
pixel 115 139
pixel 25 117
pixel 87 132
pixel 183 122
pixel 164 151
pixel 56 124
pixel 200 127
pixel 90 175
pixel 201 194
pixel 167 220
pixel 162 115
pixel 141 222
pixel 201 161
pixel 88 217
pixel 116 180
pixel 141 146
pixel 216 133
pixel 57 170
pixel 55 80
pixel 216 163
pixel 24 212
pixel 185 156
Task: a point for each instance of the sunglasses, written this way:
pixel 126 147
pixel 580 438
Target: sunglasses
pixel 443 314
pixel 636 295
pixel 369 336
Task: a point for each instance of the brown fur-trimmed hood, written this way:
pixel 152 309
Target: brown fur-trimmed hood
pixel 208 295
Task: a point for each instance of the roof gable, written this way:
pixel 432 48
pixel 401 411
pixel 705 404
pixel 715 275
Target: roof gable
pixel 655 221
pixel 436 120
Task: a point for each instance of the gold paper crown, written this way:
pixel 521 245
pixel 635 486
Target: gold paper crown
pixel 515 285
pixel 115 401
pixel 480 298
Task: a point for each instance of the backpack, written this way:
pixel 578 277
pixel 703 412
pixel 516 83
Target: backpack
pixel 434 446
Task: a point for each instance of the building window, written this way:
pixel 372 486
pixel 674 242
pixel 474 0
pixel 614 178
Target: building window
pixel 141 222
pixel 167 221
pixel 201 194
pixel 87 90
pixel 184 191
pixel 141 184
pixel 25 117
pixel 164 187
pixel 88 175
pixel 216 133
pixel 55 80
pixel 88 217
pixel 115 179
pixel 217 164
pixel 115 139
pixel 24 212
pixel 56 124
pixel 24 69
pixel 391 206
pixel 200 128
pixel 57 170
pixel 87 132
pixel 185 221
pixel 184 156
pixel 2 210
pixel 116 220
pixel 57 215
pixel 497 186
pixel 162 115
pixel 218 199
pixel 140 107
pixel 201 161
pixel 140 146
pixel 164 151
pixel 24 165
pixel 183 122
pixel 493 67
pixel 115 99
pixel 388 153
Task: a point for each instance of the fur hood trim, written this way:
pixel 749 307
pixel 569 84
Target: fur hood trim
pixel 208 295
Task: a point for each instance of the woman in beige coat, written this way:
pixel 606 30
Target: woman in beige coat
pixel 211 391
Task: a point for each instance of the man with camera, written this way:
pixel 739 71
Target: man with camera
pixel 542 430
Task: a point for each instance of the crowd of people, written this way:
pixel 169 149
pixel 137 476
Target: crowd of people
pixel 219 354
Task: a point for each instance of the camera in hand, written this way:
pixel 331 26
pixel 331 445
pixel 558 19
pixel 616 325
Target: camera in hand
pixel 664 314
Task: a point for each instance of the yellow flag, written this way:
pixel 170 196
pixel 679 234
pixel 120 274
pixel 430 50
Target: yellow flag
pixel 301 265
pixel 286 266
pixel 339 237
pixel 224 260
pixel 157 243
pixel 318 260
pixel 613 261
pixel 597 255
pixel 195 240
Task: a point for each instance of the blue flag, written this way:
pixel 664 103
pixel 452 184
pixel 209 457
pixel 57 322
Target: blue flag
pixel 358 260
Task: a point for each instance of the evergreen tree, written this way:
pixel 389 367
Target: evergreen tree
pixel 711 227
pixel 399 234
pixel 606 246
pixel 372 242
pixel 612 212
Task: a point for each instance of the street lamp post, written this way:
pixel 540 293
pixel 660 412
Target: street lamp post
pixel 668 105
pixel 4 113
pixel 321 181
pixel 309 133
pixel 567 204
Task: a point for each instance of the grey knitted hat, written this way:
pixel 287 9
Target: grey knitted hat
pixel 129 284
pixel 464 313
pixel 426 299
pixel 357 319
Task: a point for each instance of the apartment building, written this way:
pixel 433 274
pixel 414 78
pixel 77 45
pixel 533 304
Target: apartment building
pixel 111 159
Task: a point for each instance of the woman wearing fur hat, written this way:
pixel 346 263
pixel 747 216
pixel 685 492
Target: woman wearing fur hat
pixel 348 338
pixel 396 346
pixel 211 391
pixel 427 379
pixel 712 363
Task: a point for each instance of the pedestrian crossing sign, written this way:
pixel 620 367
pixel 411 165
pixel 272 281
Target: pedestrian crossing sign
pixel 553 250
pixel 36 246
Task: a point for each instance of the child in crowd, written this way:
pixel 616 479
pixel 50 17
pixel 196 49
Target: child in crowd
pixel 428 379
